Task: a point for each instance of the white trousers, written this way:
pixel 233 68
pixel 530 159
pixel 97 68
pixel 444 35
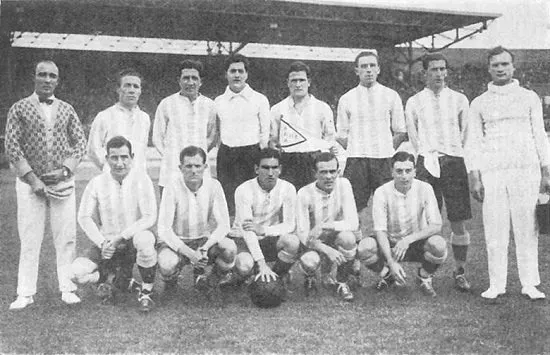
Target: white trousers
pixel 31 222
pixel 511 196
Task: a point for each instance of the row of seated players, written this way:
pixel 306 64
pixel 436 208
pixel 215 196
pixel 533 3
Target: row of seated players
pixel 317 227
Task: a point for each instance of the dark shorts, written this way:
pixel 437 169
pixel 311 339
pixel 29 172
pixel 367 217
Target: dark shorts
pixel 452 187
pixel 194 244
pixel 298 168
pixel 365 176
pixel 121 264
pixel 415 253
pixel 235 165
pixel 267 244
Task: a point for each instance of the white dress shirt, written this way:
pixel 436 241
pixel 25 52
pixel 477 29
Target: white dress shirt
pixel 244 117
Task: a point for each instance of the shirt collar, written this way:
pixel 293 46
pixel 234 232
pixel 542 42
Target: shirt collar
pixel 399 193
pixel 34 96
pixel 504 89
pixel 433 94
pixel 372 88
pixel 245 93
pixel 307 102
pixel 124 109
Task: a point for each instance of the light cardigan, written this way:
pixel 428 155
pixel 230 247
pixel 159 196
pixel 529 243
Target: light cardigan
pixel 506 130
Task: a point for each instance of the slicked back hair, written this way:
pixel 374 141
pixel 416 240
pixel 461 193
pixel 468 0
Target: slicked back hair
pixel 237 58
pixel 402 156
pixel 325 157
pixel 366 54
pixel 268 153
pixel 498 50
pixel 118 142
pixel 432 57
pixel 192 64
pixel 298 66
pixel 191 151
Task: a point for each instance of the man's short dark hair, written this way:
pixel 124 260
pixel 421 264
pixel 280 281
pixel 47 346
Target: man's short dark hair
pixel 325 157
pixel 432 57
pixel 118 142
pixel 299 66
pixel 402 156
pixel 236 58
pixel 365 54
pixel 128 72
pixel 191 151
pixel 192 64
pixel 268 153
pixel 496 51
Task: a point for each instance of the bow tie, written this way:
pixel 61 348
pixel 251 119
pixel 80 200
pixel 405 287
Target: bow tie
pixel 46 101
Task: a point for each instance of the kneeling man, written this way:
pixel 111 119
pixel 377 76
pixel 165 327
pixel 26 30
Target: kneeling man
pixel 327 222
pixel 407 224
pixel 193 224
pixel 124 201
pixel 265 220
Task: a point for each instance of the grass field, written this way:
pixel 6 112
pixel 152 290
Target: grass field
pixel 401 321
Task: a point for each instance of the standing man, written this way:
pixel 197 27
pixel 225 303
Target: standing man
pixel 506 150
pixel 45 142
pixel 407 224
pixel 243 119
pixel 371 125
pixel 182 119
pixel 436 122
pixel 301 125
pixel 193 224
pixel 326 221
pixel 265 220
pixel 124 200
pixel 124 118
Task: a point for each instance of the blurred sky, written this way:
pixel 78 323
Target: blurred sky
pixel 524 24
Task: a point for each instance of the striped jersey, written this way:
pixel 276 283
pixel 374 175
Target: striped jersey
pixel 178 124
pixel 367 117
pixel 186 215
pixel 123 208
pixel 116 120
pixel 315 206
pixel 290 129
pixel 437 122
pixel 401 214
pixel 274 210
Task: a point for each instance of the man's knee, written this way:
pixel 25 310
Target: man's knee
pixel 144 243
pixel 244 263
pixel 289 243
pixel 367 251
pixel 435 249
pixel 346 240
pixel 168 261
pixel 83 270
pixel 310 262
pixel 227 249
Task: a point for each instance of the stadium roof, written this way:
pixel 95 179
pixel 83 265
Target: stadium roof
pixel 284 22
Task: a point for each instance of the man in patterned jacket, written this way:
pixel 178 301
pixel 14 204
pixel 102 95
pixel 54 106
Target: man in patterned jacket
pixel 44 142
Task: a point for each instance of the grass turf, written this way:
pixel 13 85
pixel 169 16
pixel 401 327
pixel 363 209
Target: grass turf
pixel 400 321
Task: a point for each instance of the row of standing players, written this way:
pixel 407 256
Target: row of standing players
pixel 501 133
